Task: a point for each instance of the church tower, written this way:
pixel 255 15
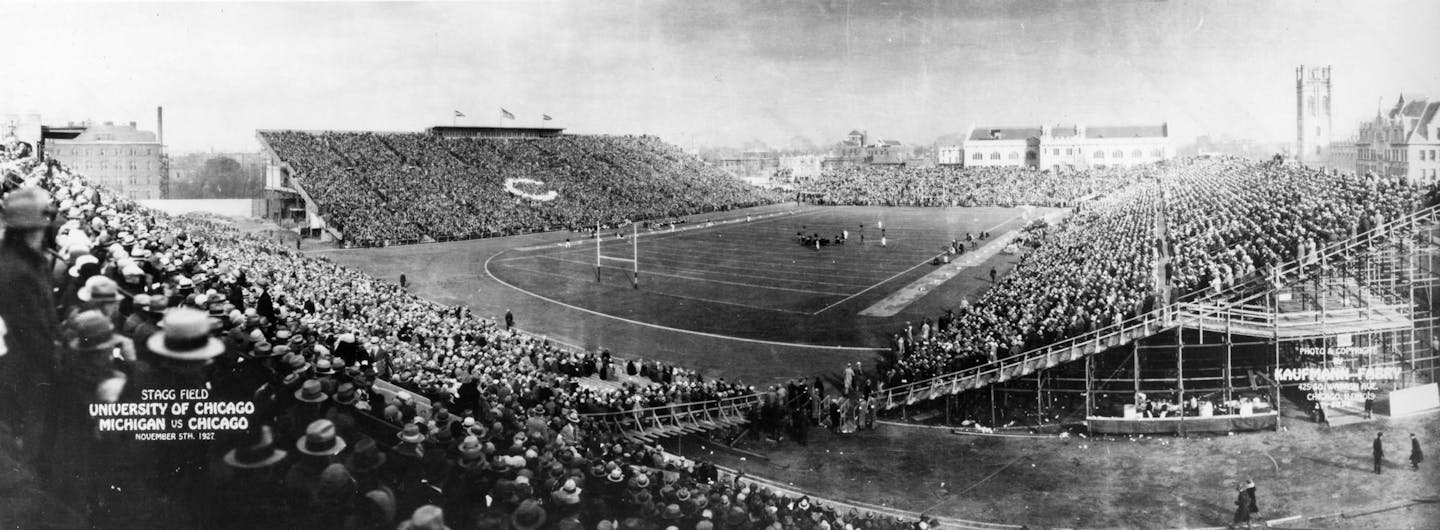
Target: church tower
pixel 1312 115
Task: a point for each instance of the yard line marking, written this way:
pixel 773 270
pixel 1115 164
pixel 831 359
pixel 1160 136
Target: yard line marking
pixel 661 293
pixel 867 289
pixel 667 328
pixel 683 277
pixel 926 262
pixel 769 266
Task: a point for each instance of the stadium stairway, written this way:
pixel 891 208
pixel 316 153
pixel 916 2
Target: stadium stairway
pixel 651 424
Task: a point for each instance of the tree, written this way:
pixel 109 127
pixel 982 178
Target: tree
pixel 219 177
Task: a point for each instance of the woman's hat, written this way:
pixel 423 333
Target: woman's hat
pixel 257 451
pixel 186 337
pixel 320 439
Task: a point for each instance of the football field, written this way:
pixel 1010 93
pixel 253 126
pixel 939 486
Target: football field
pixel 754 279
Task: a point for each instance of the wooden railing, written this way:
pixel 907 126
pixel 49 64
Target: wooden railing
pixel 725 410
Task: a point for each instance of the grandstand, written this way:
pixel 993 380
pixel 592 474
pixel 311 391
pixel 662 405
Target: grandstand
pixel 376 189
pixel 1163 269
pixel 1188 288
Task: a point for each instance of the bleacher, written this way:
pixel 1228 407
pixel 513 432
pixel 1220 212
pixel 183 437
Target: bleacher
pixel 396 188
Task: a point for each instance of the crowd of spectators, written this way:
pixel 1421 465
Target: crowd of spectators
pixel 872 185
pixel 1092 272
pixel 1218 220
pixel 1229 218
pixel 402 187
pixel 107 301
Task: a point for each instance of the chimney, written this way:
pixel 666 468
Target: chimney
pixel 132 124
pixel 160 124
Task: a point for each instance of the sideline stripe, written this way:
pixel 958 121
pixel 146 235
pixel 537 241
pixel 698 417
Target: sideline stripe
pixel 667 328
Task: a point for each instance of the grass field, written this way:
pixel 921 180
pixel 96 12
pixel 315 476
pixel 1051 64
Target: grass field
pixel 754 280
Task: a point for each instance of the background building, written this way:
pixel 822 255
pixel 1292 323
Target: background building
pixel 1312 114
pixel 1066 146
pixel 802 165
pixel 120 157
pixel 1401 142
pixel 950 155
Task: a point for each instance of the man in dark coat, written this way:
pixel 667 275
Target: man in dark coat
pixel 27 373
pixel 1416 455
pixel 1378 452
pixel 265 306
pixel 509 319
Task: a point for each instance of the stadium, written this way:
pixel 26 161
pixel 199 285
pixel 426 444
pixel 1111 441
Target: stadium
pixel 531 328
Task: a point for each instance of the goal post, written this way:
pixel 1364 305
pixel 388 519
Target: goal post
pixel 634 258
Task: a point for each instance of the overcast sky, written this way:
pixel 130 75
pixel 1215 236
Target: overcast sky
pixel 710 72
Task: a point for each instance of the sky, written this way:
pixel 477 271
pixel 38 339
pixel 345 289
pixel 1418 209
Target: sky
pixel 710 73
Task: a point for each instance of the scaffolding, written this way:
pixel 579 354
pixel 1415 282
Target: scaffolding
pixel 1364 303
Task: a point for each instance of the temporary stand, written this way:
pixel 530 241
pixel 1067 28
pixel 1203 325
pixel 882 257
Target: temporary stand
pixel 634 258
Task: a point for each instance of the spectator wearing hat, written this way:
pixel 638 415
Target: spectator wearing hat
pixel 411 446
pixel 136 315
pixel 91 371
pixel 265 304
pixel 375 509
pixel 247 495
pixel 99 293
pixel 180 357
pixel 150 316
pixel 529 515
pixel 317 448
pixel 427 517
pixel 310 404
pixel 27 373
pixel 333 498
pixel 255 366
pixel 368 464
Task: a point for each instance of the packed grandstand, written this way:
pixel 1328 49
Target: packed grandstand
pixel 405 187
pixel 193 302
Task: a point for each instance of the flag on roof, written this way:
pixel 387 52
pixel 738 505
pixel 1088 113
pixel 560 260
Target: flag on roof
pixel 459 114
pixel 546 116
pixel 506 114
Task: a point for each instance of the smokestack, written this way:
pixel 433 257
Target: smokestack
pixel 160 124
